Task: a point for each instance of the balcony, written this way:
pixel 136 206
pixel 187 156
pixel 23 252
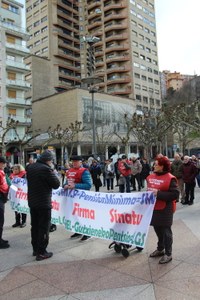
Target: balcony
pixel 13 65
pixel 17 48
pixel 15 30
pixel 114 16
pixel 94 25
pixel 122 91
pixel 116 26
pixel 112 5
pixel 113 58
pixel 118 69
pixel 96 3
pixel 118 80
pixel 115 37
pixel 18 84
pixel 21 119
pixel 21 102
pixel 116 48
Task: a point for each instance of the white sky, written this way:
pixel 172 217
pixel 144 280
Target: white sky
pixel 178 36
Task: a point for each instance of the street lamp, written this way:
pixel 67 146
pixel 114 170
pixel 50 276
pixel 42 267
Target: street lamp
pixel 91 81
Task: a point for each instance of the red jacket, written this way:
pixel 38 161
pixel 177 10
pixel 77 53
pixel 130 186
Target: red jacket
pixel 123 167
pixel 162 183
pixel 3 183
pixel 75 174
pixel 21 174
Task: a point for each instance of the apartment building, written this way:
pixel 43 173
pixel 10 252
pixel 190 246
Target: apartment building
pixel 173 80
pixel 126 53
pixel 13 69
pixel 54 34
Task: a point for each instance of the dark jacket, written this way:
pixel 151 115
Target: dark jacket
pixel 165 217
pixel 95 171
pixel 189 172
pixel 177 168
pixel 41 180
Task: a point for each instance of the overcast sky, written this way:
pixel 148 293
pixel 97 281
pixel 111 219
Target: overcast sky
pixel 178 35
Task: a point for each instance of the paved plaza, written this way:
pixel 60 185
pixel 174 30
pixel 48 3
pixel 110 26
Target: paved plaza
pixel 89 270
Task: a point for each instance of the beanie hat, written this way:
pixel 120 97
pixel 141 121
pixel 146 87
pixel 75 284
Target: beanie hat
pixel 46 156
pixel 76 157
pixel 2 160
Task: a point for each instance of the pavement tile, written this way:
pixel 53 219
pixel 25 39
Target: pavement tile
pixel 139 292
pixel 35 289
pixel 16 278
pixel 165 293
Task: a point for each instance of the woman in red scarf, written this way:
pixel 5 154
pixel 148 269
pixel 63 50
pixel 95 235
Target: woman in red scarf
pixel 20 218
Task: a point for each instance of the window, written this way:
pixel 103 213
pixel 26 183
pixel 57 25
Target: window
pixel 44 29
pixel 145 100
pixel 135 54
pixel 142 57
pixel 43 19
pixel 138 97
pixel 37 43
pixel 36 23
pixel 141 46
pixel 137 86
pixel 136 65
pixel 137 75
pixel 144 77
pixel 12 94
pixel 36 33
pixel 44 49
pixel 11 75
pixel 10 39
pixel 12 112
pixel 150 80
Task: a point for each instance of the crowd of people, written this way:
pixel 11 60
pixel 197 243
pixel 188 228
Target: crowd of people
pixel 170 182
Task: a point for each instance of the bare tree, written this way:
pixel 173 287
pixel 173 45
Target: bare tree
pixel 4 129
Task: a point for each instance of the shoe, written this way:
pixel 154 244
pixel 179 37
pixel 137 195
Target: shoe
pixel 46 255
pixel 165 259
pixel 16 225
pixel 4 241
pixel 75 235
pixel 4 245
pixel 22 225
pixel 157 253
pixel 185 203
pixel 191 203
pixel 34 253
pixel 85 238
pixel 53 228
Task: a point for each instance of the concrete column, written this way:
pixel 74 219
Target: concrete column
pixel 78 149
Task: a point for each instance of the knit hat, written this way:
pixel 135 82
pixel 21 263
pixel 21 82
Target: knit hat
pixel 124 156
pixel 2 160
pixel 46 156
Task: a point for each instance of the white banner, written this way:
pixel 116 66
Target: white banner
pixel 120 217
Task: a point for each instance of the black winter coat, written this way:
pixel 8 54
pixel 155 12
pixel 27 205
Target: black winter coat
pixel 41 180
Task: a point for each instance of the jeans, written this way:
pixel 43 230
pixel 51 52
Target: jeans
pixel 40 225
pixel 2 209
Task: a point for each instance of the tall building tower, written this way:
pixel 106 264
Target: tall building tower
pixel 54 35
pixel 126 55
pixel 13 69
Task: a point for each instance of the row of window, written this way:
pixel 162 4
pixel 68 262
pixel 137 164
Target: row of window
pixel 145 100
pixel 142 47
pixel 40 51
pixel 43 9
pixel 10 7
pixel 151 5
pixel 38 22
pixel 143 57
pixel 145 68
pixel 38 32
pixel 145 10
pixel 144 38
pixel 36 3
pixel 38 42
pixel 145 29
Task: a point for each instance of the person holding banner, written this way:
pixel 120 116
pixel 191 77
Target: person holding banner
pixel 41 179
pixel 78 177
pixel 3 198
pixel 165 188
pixel 20 219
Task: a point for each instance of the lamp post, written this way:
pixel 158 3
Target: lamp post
pixel 91 81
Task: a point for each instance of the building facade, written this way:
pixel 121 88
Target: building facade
pixel 12 72
pixel 54 34
pixel 109 118
pixel 126 55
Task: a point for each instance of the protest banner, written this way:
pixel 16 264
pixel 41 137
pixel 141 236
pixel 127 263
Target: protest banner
pixel 120 217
